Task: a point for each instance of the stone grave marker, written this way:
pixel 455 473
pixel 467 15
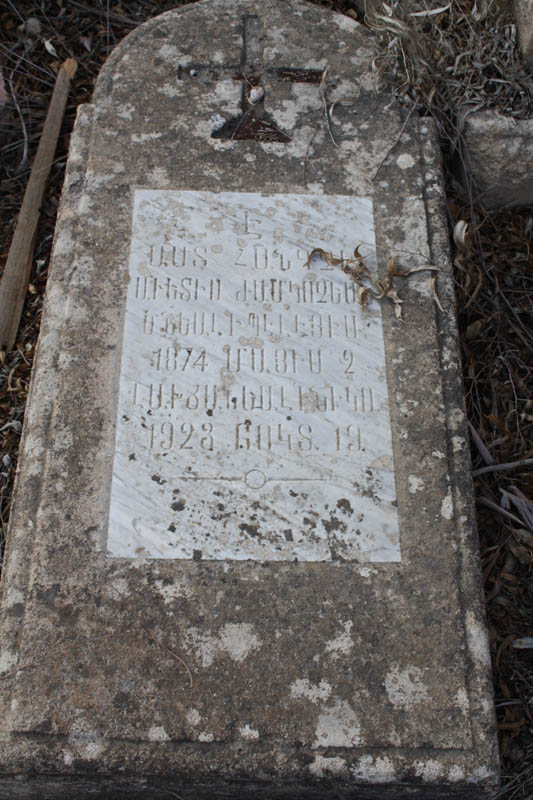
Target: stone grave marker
pixel 242 558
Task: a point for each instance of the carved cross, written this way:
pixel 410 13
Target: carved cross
pixel 254 122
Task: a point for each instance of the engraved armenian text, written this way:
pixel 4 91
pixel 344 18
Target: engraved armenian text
pixel 253 418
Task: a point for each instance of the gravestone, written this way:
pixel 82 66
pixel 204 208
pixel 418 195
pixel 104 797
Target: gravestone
pixel 242 558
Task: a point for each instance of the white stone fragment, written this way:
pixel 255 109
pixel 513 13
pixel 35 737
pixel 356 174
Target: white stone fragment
pixel 193 716
pixel 415 484
pixel 255 94
pixel 158 734
pixel 405 161
pixel 338 726
pixel 342 643
pixel 249 733
pixel 237 640
pixel 8 660
pixel 303 688
pixel 446 508
pixel 405 687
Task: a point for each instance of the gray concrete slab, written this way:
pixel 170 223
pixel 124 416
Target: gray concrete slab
pixel 256 617
pixel 498 154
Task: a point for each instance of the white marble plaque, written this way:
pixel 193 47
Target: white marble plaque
pixel 253 418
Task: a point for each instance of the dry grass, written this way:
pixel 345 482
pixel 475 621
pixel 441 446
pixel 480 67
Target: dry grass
pixel 454 62
pixel 494 291
pixel 447 64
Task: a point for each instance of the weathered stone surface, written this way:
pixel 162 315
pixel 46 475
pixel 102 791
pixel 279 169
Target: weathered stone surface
pixel 227 677
pixel 499 155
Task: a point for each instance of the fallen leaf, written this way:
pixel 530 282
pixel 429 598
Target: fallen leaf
pixel 327 257
pixel 356 254
pixel 363 295
pixel 50 48
pixel 393 295
pixel 433 284
pixel 421 268
pixel 431 12
pixel 70 66
pixel 460 233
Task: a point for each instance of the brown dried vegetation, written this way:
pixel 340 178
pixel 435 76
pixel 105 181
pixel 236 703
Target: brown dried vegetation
pixel 445 63
pixel 448 60
pixel 494 297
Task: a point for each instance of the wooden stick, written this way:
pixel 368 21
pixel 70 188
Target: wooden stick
pixel 20 257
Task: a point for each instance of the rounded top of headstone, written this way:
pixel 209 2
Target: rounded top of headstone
pixel 210 33
pixel 220 89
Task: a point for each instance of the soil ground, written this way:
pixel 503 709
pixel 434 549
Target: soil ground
pixel 492 252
